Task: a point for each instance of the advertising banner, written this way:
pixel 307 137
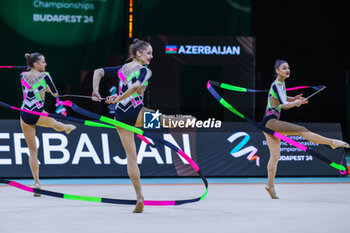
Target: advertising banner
pixel 235 149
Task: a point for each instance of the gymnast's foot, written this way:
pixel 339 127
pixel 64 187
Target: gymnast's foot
pixel 271 191
pixel 37 186
pixel 138 207
pixel 338 143
pixel 70 128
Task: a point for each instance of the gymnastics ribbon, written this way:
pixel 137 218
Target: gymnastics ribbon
pixel 61 110
pixel 59 117
pixel 15 67
pixel 223 102
pixel 342 160
pixel 113 122
pixel 72 119
pixel 242 89
pixel 69 103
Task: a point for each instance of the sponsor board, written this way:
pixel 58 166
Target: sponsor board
pixel 235 149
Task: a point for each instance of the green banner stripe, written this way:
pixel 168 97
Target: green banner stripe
pixel 121 124
pixel 232 109
pixel 96 124
pixel 81 198
pixel 232 88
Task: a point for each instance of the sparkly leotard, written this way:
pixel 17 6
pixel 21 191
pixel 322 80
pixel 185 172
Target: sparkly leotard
pixel 33 91
pixel 277 91
pixel 128 109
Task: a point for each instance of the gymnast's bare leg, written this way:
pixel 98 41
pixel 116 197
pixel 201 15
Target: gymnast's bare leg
pixel 128 141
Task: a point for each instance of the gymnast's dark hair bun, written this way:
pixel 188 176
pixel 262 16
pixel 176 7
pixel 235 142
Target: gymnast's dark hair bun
pixel 279 62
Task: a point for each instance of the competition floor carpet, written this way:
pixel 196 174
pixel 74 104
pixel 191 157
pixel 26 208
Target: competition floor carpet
pixel 232 205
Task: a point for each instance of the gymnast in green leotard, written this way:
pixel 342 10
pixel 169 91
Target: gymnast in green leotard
pixel 278 100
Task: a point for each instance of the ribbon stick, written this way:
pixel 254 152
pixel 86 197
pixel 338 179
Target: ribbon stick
pixel 269 131
pixel 79 96
pixel 315 93
pixel 112 123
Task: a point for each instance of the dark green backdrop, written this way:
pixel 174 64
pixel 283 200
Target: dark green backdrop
pixel 69 48
pixel 74 49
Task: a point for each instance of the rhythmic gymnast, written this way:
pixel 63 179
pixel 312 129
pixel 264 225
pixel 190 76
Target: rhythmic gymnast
pixel 35 83
pixel 277 100
pixel 133 79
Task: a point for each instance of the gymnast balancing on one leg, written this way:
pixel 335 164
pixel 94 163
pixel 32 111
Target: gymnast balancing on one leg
pixel 277 100
pixel 35 83
pixel 132 78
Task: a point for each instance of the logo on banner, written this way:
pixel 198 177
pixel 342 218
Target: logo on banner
pixel 188 121
pixel 237 151
pixel 151 120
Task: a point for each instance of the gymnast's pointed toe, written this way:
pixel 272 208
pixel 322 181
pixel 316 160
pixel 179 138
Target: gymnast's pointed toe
pixel 338 143
pixel 272 192
pixel 138 207
pixel 37 186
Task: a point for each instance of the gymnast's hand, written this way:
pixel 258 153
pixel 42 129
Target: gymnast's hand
pixel 305 101
pixel 112 99
pixel 297 97
pixel 96 96
pixel 300 102
pixel 300 97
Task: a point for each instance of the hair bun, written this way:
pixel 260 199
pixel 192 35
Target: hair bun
pixel 137 45
pixel 27 55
